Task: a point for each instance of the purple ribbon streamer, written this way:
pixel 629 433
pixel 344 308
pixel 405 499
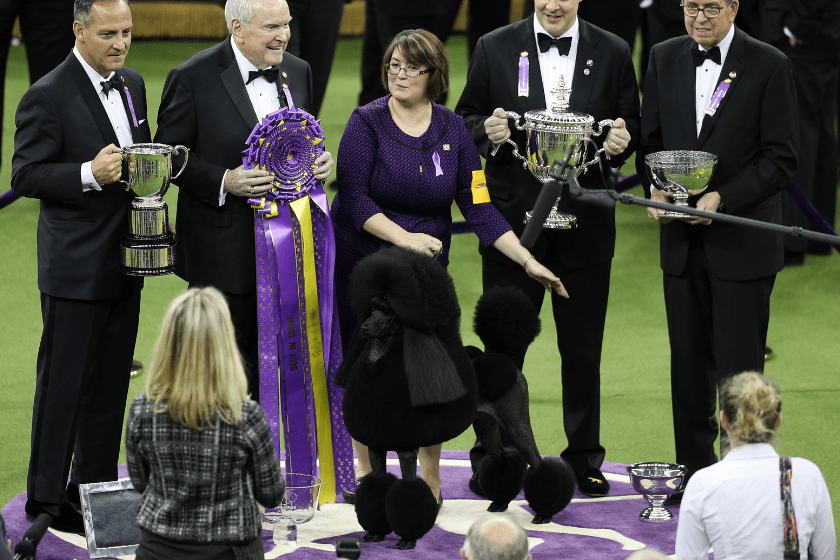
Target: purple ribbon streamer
pixel 524 68
pixel 721 90
pixel 131 107
pixel 436 161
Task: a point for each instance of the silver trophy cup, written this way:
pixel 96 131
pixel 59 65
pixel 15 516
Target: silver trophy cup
pixel 680 173
pixel 148 248
pixel 549 136
pixel 656 481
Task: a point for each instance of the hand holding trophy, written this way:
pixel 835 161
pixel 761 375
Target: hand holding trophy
pixel 148 248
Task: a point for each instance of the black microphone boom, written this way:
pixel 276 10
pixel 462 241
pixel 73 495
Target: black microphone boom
pixel 26 547
pixel 545 201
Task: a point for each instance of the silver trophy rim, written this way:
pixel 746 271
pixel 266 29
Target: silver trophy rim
pixel 670 159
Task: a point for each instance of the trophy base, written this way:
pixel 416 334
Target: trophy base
pixel 654 514
pixel 147 258
pixel 556 220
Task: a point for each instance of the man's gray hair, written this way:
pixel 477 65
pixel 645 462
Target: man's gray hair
pixel 82 10
pixel 243 10
pixel 482 543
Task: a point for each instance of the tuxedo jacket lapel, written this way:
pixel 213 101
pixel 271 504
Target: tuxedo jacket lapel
pixel 232 80
pixel 91 97
pixel 687 88
pixel 731 65
pixel 525 42
pixel 582 83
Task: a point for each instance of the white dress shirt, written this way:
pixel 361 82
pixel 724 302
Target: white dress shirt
pixel 707 78
pixel 114 107
pixel 735 507
pixel 552 64
pixel 261 92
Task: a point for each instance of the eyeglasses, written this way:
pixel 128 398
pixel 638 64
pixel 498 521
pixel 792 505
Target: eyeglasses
pixel 394 69
pixel 709 11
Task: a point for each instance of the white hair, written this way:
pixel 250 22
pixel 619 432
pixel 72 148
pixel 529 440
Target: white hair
pixel 243 10
pixel 481 544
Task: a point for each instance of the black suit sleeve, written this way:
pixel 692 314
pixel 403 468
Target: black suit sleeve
pixel 178 124
pixel 37 167
pixel 778 139
pixel 650 134
pixel 474 104
pixel 627 108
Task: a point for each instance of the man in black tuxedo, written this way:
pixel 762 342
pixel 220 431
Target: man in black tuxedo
pixel 809 33
pixel 718 277
pixel 210 104
pixel 69 125
pixel 599 67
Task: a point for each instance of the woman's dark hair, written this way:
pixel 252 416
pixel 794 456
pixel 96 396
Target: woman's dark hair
pixel 751 404
pixel 422 48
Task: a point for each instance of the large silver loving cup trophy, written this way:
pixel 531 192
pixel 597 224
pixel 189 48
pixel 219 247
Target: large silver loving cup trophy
pixel 549 136
pixel 681 173
pixel 149 247
pixel 656 481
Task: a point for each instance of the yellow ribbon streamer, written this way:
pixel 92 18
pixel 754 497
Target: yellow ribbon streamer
pixel 303 211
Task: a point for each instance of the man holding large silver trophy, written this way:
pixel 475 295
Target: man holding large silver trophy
pixel 70 126
pixel 564 75
pixel 719 132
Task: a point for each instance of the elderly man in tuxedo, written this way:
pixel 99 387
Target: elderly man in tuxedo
pixel 69 126
pixel 210 104
pixel 598 65
pixel 718 90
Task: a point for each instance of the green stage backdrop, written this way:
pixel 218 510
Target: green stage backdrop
pixel 636 409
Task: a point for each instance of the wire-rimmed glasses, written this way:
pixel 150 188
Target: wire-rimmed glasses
pixel 394 69
pixel 711 12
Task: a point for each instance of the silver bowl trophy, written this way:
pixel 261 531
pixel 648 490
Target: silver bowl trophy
pixel 148 248
pixel 680 173
pixel 550 134
pixel 656 481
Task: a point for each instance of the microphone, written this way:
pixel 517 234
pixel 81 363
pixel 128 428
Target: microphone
pixel 548 196
pixel 545 201
pixel 566 173
pixel 26 547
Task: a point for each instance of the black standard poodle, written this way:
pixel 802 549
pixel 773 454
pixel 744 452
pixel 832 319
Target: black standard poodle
pixel 408 382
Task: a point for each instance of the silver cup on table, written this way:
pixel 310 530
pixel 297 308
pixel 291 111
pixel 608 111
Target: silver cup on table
pixel 656 481
pixel 681 173
pixel 148 248
pixel 550 134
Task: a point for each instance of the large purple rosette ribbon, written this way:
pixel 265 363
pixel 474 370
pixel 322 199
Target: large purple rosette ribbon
pixel 299 345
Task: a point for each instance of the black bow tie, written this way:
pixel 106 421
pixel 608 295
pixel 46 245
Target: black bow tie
pixel 701 56
pixel 270 74
pixel 563 44
pixel 114 83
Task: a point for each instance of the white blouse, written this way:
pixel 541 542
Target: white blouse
pixel 735 507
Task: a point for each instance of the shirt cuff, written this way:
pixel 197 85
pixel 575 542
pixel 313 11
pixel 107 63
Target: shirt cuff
pixel 88 180
pixel 222 191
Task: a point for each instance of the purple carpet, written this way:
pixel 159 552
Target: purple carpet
pixel 603 528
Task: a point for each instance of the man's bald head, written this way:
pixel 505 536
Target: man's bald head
pixel 496 537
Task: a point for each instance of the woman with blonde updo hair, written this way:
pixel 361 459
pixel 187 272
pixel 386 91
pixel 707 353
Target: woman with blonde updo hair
pixel 198 449
pixel 734 506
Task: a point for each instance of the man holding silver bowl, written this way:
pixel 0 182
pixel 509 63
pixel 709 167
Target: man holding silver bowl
pixel 69 126
pixel 514 69
pixel 716 95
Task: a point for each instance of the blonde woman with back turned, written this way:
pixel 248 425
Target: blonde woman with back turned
pixel 735 505
pixel 197 447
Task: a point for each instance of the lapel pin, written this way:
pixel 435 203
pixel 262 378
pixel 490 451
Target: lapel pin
pixel 523 53
pixel 285 85
pixel 284 75
pixel 589 62
pixel 446 147
pixel 732 74
pixel 586 72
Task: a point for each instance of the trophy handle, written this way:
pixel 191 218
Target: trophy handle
pixel 124 156
pixel 601 126
pixel 516 117
pixel 177 149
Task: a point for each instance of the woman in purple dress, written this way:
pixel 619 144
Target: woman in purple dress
pixel 401 163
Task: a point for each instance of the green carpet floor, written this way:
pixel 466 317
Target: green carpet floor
pixel 635 393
